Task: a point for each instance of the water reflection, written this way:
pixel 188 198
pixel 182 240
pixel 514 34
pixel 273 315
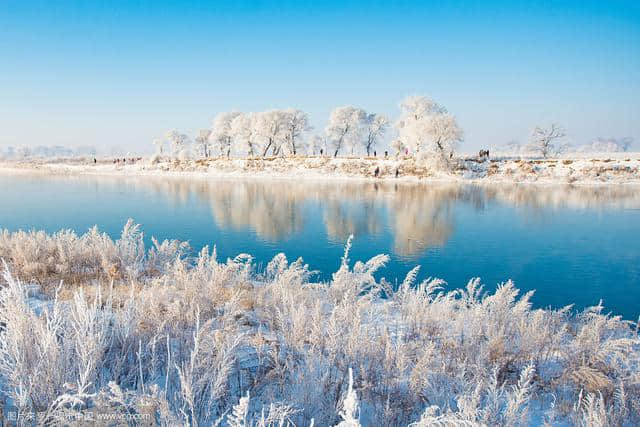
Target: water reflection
pixel 571 244
pixel 272 214
pixel 414 216
pixel 417 216
pixel 422 217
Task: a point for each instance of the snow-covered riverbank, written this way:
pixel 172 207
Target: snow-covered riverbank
pixel 578 169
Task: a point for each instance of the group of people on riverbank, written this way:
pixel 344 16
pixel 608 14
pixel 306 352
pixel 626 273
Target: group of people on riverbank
pixel 119 160
pixel 376 172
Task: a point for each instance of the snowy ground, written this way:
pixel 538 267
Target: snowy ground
pixel 576 168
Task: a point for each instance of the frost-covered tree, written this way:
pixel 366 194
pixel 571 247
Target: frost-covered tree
pixel 221 132
pixel 10 152
pixel 609 145
pixel 296 123
pixel 444 133
pixel 271 126
pixel 178 142
pixel 24 152
pixel 375 127
pixel 203 142
pixel 317 143
pixel 159 144
pixel 243 132
pixel 398 145
pixel 344 127
pixel 427 129
pixel 545 140
pixel 86 150
pixel 513 147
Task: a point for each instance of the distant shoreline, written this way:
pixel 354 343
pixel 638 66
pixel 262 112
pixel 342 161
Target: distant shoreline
pixel 620 168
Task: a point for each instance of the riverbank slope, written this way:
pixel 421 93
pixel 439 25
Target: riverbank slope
pixel 614 168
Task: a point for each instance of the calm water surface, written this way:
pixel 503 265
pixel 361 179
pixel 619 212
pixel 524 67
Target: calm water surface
pixel 571 244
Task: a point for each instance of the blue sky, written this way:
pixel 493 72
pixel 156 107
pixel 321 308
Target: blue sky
pixel 120 73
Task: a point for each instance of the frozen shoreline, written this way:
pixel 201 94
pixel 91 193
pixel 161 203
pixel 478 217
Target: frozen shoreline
pixel 577 169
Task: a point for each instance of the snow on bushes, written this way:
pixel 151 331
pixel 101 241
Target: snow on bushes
pixel 193 340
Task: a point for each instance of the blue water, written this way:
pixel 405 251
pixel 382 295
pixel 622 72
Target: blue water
pixel 573 245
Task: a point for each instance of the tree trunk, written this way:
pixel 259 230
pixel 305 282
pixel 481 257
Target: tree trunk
pixel 264 153
pixel 369 144
pixel 339 145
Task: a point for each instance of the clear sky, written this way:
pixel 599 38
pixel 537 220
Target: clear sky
pixel 121 73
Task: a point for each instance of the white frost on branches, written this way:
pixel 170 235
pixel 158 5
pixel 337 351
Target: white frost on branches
pixel 271 126
pixel 296 124
pixel 375 126
pixel 344 128
pixel 427 130
pixel 608 145
pixel 179 143
pixel 350 408
pixel 244 133
pixel 545 141
pixel 221 133
pixel 203 142
pixel 187 338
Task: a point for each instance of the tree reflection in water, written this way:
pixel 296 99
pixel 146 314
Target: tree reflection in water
pixel 417 215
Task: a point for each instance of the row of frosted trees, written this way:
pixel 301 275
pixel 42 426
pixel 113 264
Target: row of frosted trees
pixel 424 128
